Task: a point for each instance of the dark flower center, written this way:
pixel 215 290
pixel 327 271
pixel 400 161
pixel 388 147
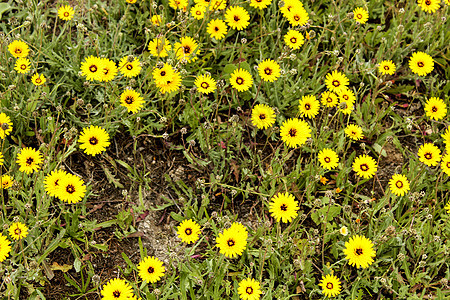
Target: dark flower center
pixel 105 71
pixel 428 155
pixel 93 141
pixel 297 18
pixel 327 160
pixel 307 106
pixel 38 80
pixel 329 99
pixel 163 73
pixel 346 97
pixel 420 64
pixel 129 67
pixel 292 132
pixel 70 189
pixel 283 207
pixel 358 251
pixel 236 18
pixel 17 231
pixel 199 13
pixel 448 164
pixel 386 68
pixel 293 40
pixel 188 231
pixel 116 294
pixel 434 109
pixel 239 80
pixel 56 182
pixel 29 161
pixel 216 28
pixel 359 16
pixel 18 50
pixel 204 85
pixel 249 290
pixel 186 49
pixel 329 285
pixel 231 243
pixel 93 68
pixel 23 67
pixel 399 184
pixel 66 14
pixel 129 100
pixel 364 167
pixel 262 116
pixel 336 83
pixel 151 270
pixel 268 71
pixel 428 2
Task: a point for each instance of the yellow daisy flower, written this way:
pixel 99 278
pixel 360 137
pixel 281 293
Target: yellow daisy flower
pixel 329 99
pixel 151 269
pixel 359 251
pixel 6 182
pixel 232 241
pixel 360 15
pixel 421 63
pixel 328 158
pixel 294 39
pixel 132 100
pixel 387 67
pixel 263 116
pixel 18 230
pixel 283 207
pixel 22 65
pixel 429 154
pixel 179 4
pixel 130 66
pixel 159 47
pixel 171 85
pixel 71 189
pixel 156 20
pixel 66 13
pixel 187 49
pixel 309 106
pixel 435 108
pixel 188 231
pixel 18 49
pixel 241 80
pixel 37 79
pixel 6 125
pixel 365 166
pixel 399 184
pixel 5 247
pixel 331 286
pixel 51 181
pixel 237 17
pixel 109 70
pixel 117 289
pixel 249 289
pixel 298 16
pixel 429 6
pixel 354 132
pixel 260 4
pixel 294 132
pixel 336 81
pixel 269 70
pixel 94 140
pixel 346 100
pixel 92 68
pixel 205 84
pixel 198 11
pixel 445 164
pixel 29 160
pixel 217 29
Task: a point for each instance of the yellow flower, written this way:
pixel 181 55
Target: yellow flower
pixel 92 68
pixel 295 132
pixel 445 164
pixel 329 99
pixel 22 65
pixel 37 79
pixel 360 15
pixel 51 182
pixel 187 49
pixel 66 13
pixel 178 4
pixel 294 39
pixel 435 108
pixel 151 269
pixel 331 286
pixel 309 106
pixel 429 154
pixel 188 231
pixel 365 166
pixel 109 70
pixel 249 289
pixel 198 11
pixel 260 4
pixel 346 100
pixel 445 136
pixel 171 85
pixel 354 132
pixel 237 17
pixel 217 29
pixel 130 66
pixel 71 189
pixel 6 182
pixel 232 241
pixel 336 81
pixel 159 47
pixel 131 1
pixel 343 230
pixel 6 125
pixel 421 63
pixel 283 207
pixel 241 80
pixel 94 140
pixel 263 116
pixel 298 16
pixel 205 84
pixel 156 20
pixel 29 160
pixel 387 67
pixel 399 184
pixel 429 6
pixel 117 289
pixel 328 158
pixel 269 70
pixel 359 251
pixel 132 100
pixel 18 230
pixel 18 49
pixel 5 247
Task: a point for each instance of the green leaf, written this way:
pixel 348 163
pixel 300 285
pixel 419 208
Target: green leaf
pixel 3 8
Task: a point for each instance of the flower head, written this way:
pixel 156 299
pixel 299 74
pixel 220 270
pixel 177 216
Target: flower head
pixel 151 269
pixel 241 79
pixel 159 47
pixel 421 63
pixel 435 108
pixel 354 132
pixel 263 116
pixel 52 180
pixel 445 164
pixel 109 70
pixel 429 154
pixel 187 49
pixel 5 247
pixel 331 286
pixel 94 140
pixel 132 100
pixel 117 289
pixel 237 17
pixel 294 39
pixel 260 4
pixel 399 184
pixel 328 159
pixel 130 69
pixel 309 106
pixel 18 49
pixel 297 16
pixel 359 251
pixel 198 11
pixel 92 68
pixel 429 6
pixel 295 132
pixel 343 230
pixel 445 136
pixel 29 160
pixel 232 241
pixel 71 189
pixel 346 100
pixel 336 81
pixel 249 289
pixel 6 181
pixel 18 230
pixel 283 207
pixel 66 13
pixel 22 65
pixel 156 20
pixel 188 231
pixel 205 84
pixel 6 125
pixel 37 79
pixel 217 29
pixel 360 15
pixel 269 70
pixel 365 166
pixel 386 67
pixel 329 99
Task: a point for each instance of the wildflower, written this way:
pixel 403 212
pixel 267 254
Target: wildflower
pixel 198 11
pixel 399 184
pixel 283 207
pixel 359 251
pixel 360 15
pixel 435 108
pixel 130 69
pixel 269 70
pixel 178 4
pixel 18 230
pixel 171 85
pixel 71 189
pixel 241 79
pixel 5 247
pixel 329 99
pixel 66 13
pixel 37 79
pixel 132 100
pixel 447 207
pixel 445 136
pixel 429 154
pixel 18 49
pixel 156 20
pixel 22 65
pixel 309 106
pixel 6 125
pixel 237 17
pixel 445 164
pixel 336 81
pixel 365 166
pixel 29 160
pixel 131 1
pixel 92 68
pixel 328 159
pixel 94 140
pixel 323 180
pixel 217 29
pixel 387 67
pixel 347 100
pixel 151 269
pixel 421 63
pixel 429 6
pixel 298 16
pixel 343 230
pixel 51 182
pixel 354 132
pixel 249 289
pixel 188 231
pixel 295 132
pixel 263 116
pixel 205 84
pixel 109 70
pixel 294 39
pixel 6 182
pixel 164 74
pixel 186 49
pixel 117 289
pixel 289 6
pixel 260 4
pixel 331 286
pixel 232 241
pixel 159 47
